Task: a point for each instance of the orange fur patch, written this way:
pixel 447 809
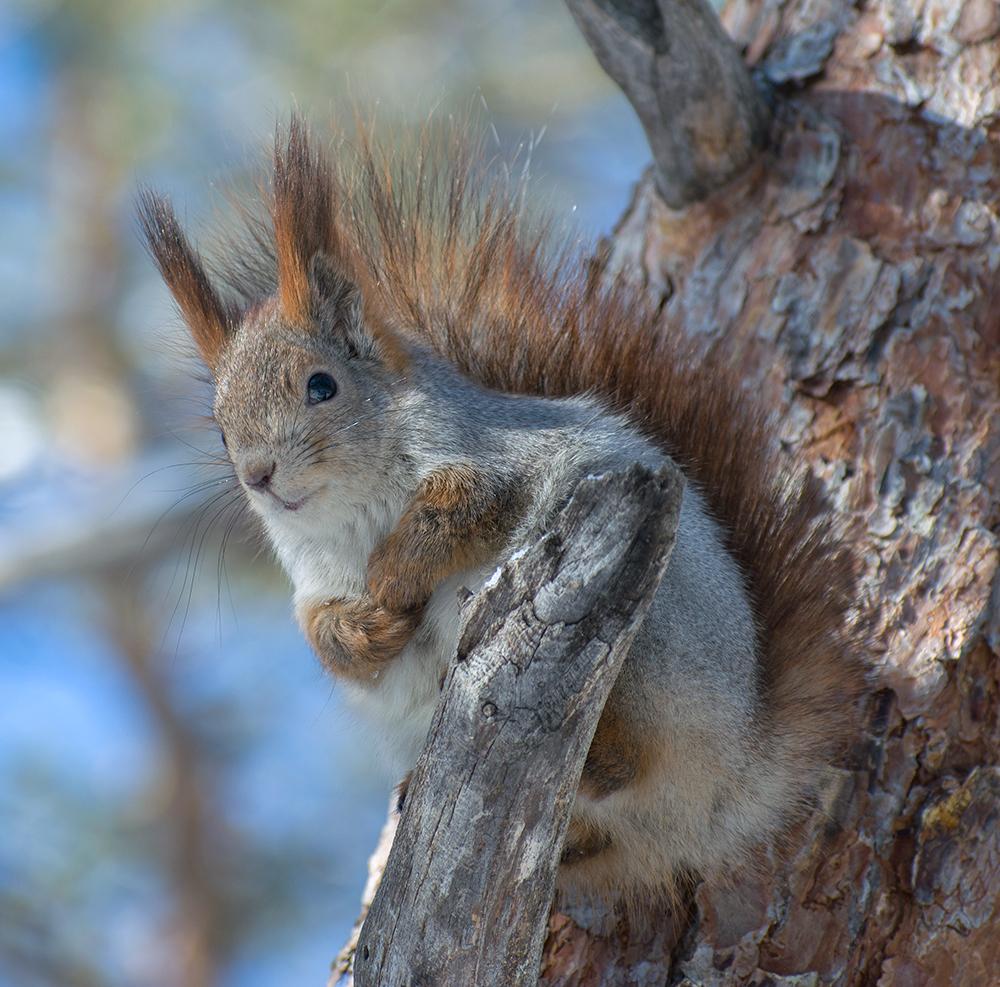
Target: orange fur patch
pixel 354 638
pixel 583 841
pixel 620 754
pixel 457 520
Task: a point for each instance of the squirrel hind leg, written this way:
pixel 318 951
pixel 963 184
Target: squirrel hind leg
pixel 604 876
pixel 402 790
pixel 621 753
pixel 584 840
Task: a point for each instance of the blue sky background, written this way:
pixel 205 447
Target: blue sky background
pixel 121 660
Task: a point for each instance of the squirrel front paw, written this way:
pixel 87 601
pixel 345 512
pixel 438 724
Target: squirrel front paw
pixel 458 519
pixel 356 638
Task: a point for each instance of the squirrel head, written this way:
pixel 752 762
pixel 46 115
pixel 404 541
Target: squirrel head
pixel 303 377
pixel 302 401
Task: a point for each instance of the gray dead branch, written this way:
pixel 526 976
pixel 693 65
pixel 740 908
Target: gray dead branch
pixel 468 885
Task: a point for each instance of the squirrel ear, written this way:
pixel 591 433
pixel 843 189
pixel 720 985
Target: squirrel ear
pixel 336 303
pixel 210 320
pixel 339 308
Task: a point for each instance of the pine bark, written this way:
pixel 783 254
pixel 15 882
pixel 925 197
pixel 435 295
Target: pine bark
pixel 851 271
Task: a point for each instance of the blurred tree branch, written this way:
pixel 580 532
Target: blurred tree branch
pixel 198 913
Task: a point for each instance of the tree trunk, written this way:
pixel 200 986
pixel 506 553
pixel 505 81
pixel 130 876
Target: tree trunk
pixel 849 269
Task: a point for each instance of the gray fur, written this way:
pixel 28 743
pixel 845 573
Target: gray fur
pixel 690 679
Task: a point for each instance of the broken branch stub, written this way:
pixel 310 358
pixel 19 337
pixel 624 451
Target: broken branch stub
pixel 704 116
pixel 466 892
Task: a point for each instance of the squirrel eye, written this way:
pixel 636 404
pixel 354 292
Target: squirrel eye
pixel 225 444
pixel 321 387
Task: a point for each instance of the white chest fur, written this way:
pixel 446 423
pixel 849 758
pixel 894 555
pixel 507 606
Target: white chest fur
pixel 397 710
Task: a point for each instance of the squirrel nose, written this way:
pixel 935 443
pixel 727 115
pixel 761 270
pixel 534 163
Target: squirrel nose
pixel 258 476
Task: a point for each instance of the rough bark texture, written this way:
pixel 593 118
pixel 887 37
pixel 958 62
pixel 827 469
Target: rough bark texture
pixel 703 115
pixel 469 880
pixel 851 272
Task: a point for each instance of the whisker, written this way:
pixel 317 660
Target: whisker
pixel 221 572
pixel 191 566
pixel 161 469
pixel 365 418
pixel 190 445
pixel 293 438
pixel 194 491
pixel 305 449
pixel 312 450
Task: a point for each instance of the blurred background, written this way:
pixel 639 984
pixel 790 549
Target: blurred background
pixel 181 797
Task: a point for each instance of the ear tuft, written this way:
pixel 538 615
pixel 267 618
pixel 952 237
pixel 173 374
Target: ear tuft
pixel 302 214
pixel 331 290
pixel 209 319
pixel 320 277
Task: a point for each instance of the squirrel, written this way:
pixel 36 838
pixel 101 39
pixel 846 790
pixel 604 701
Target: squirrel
pixel 409 380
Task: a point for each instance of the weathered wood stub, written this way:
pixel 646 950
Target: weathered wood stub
pixel 469 880
pixel 851 269
pixel 704 116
